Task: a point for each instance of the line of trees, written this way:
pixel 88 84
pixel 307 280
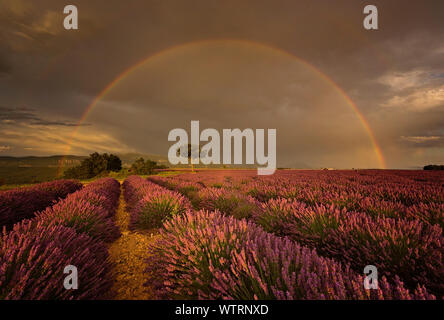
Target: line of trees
pixel 434 167
pixel 145 167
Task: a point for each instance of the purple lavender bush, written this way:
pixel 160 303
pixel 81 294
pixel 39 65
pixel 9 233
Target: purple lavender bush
pixel 397 247
pixel 150 204
pixel 19 204
pixel 108 188
pixel 228 202
pixel 135 188
pixel 157 207
pixel 432 213
pixel 88 210
pixel 207 255
pixel 33 258
pixel 82 216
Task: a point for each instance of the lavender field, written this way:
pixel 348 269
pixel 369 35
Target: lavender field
pixel 230 234
pixel 304 235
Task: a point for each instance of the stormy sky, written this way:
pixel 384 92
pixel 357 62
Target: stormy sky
pixel 229 64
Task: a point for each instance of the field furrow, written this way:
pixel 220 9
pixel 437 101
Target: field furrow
pixel 128 255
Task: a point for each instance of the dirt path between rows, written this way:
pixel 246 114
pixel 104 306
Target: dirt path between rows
pixel 128 254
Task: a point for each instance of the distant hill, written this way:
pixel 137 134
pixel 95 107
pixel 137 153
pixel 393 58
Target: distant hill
pixel 31 169
pixel 31 161
pixel 70 160
pixel 127 160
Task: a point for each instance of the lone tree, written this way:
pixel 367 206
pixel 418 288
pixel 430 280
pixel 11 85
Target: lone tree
pixel 191 152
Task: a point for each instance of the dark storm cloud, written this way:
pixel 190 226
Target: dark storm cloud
pixel 36 27
pixel 17 114
pixel 29 116
pixel 394 75
pixel 423 141
pixel 57 123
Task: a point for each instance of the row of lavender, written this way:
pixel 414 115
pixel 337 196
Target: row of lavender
pixel 407 248
pixel 426 206
pixel 74 232
pixel 208 255
pixel 418 197
pixel 396 185
pixel 19 204
pixel 150 205
pixel 319 189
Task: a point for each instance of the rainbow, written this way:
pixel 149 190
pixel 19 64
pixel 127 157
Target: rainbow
pixel 124 74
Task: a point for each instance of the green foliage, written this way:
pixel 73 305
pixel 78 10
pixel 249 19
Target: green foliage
pixel 236 206
pixel 113 162
pixel 152 214
pixel 95 165
pixel 142 167
pixel 26 175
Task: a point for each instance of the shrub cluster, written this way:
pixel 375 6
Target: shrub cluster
pixel 95 165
